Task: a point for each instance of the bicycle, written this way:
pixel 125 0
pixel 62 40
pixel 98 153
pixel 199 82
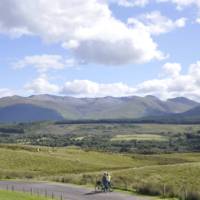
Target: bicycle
pixel 100 187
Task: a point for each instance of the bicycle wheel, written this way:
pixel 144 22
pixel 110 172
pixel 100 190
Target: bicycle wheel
pixel 111 187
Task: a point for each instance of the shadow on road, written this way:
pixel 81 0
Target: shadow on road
pixel 93 193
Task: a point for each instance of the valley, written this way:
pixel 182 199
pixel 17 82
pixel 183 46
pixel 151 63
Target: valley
pixel 49 143
pixel 142 158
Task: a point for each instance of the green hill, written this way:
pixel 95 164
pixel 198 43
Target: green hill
pixel 189 117
pixel 27 113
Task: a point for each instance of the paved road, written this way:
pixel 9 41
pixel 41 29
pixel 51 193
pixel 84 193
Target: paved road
pixel 64 191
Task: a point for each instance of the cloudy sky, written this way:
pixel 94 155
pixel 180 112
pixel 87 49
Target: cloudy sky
pixel 96 48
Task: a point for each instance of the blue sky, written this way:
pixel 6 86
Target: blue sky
pixel 93 48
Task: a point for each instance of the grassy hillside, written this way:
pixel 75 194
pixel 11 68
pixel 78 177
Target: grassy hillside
pixel 27 162
pixel 22 162
pixel 7 195
pixel 144 173
pixel 172 175
pixel 191 116
pixel 28 113
pixel 177 176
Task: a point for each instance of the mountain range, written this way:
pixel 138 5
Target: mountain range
pixel 191 116
pixel 56 108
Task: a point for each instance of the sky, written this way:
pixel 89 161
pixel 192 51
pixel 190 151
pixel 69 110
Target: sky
pixel 97 48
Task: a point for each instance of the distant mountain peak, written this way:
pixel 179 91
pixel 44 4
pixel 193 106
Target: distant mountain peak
pixel 151 97
pixel 183 100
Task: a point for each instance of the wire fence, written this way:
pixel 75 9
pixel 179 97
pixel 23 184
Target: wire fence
pixel 56 195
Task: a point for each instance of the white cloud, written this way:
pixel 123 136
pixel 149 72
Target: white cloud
pixel 155 23
pixel 44 63
pixel 87 28
pixel 4 92
pixel 172 69
pixel 132 3
pixel 198 20
pixel 83 88
pixel 172 84
pixel 179 3
pixel 41 85
pixel 182 3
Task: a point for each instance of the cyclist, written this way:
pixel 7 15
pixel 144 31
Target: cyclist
pixel 105 182
pixel 108 177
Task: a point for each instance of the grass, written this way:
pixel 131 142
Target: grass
pixel 177 175
pixel 179 172
pixel 23 162
pixel 143 137
pixel 177 179
pixel 171 180
pixel 8 195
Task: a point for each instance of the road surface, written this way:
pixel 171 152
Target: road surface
pixel 64 191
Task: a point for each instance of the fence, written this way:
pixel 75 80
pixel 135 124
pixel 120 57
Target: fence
pixel 35 191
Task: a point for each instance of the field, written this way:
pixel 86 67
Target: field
pixel 27 162
pixel 177 172
pixel 140 137
pixel 147 158
pixel 119 138
pixel 7 195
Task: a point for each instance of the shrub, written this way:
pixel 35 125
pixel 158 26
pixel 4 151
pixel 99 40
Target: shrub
pixel 192 195
pixel 149 189
pixel 86 179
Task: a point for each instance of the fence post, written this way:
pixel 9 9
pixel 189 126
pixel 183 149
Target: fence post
pixel 61 196
pixel 183 193
pixel 13 188
pixel 31 191
pixel 52 195
pixel 46 193
pixel 164 191
pixel 186 194
pixel 7 187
